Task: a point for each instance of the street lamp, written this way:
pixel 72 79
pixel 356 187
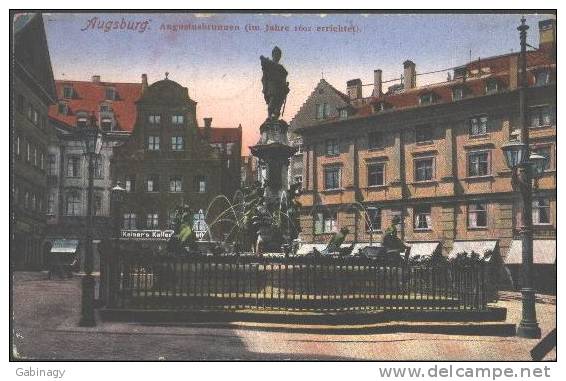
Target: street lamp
pixel 118 193
pixel 92 142
pixel 525 167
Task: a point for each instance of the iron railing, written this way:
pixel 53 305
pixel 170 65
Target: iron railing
pixel 319 284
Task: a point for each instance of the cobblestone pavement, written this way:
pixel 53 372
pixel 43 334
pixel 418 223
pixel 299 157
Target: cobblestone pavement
pixel 45 327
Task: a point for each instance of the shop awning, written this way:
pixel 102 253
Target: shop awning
pixel 423 249
pixel 479 247
pixel 65 246
pixel 544 252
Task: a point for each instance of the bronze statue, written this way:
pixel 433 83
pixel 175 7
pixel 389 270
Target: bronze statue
pixel 275 85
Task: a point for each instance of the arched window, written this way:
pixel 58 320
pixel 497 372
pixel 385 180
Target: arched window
pixel 73 204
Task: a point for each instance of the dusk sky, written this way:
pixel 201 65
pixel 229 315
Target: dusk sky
pixel 222 68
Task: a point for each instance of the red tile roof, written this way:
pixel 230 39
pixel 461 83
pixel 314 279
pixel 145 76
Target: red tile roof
pixel 497 67
pixel 88 96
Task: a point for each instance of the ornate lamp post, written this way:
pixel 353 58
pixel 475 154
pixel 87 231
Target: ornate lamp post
pixel 92 142
pixel 525 167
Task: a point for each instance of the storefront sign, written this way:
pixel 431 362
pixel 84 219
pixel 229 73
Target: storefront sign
pixel 146 235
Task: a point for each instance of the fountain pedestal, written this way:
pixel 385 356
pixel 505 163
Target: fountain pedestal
pixel 274 151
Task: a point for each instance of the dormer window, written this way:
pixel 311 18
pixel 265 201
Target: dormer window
pixel 458 93
pixel 63 108
pixel 104 107
pixel 426 99
pixel 542 78
pixel 110 94
pixel 82 119
pixel 68 92
pixel 322 111
pixel 491 86
pixel 106 124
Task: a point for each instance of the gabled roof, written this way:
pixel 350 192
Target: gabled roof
pixel 88 96
pixel 31 54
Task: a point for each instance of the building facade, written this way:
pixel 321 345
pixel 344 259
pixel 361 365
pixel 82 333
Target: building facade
pixel 111 107
pixel 431 156
pixel 33 92
pixel 169 161
pixel 324 103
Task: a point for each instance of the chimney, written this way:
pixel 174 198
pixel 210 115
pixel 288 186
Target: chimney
pixel 354 89
pixel 377 83
pixel 207 127
pixel 96 79
pixel 547 34
pixel 144 83
pixel 409 75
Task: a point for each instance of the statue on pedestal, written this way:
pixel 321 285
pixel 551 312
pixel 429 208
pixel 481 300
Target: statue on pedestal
pixel 275 85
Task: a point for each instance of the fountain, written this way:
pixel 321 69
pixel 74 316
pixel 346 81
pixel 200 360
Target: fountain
pixel 274 151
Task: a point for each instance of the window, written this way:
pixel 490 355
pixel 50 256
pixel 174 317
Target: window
pixel 541 211
pixel 106 124
pixel 322 111
pixel 30 111
pixel 35 117
pixel 332 147
pixel 130 184
pixel 424 169
pixel 478 126
pixel 491 86
pixel 325 223
pixel 63 108
pixel 153 143
pixel 423 134
pixel 545 152
pixel 200 184
pixel 540 116
pixel 477 215
pixel 42 161
pixel 426 99
pixel 51 165
pixel 154 119
pixel 171 219
pixel 33 202
pixel 26 200
pixel 177 143
pixel 35 156
pixel 73 205
pixel 152 184
pixel 18 145
pixel 373 219
pixel 332 178
pixel 422 218
pixel 67 92
pixel 98 167
pixel 177 119
pixel 110 94
pixel 51 204
pixel 175 184
pixel 129 221
pixel 28 152
pixel 104 107
pixel 376 174
pixel 542 78
pixel 457 93
pixel 20 103
pixel 152 221
pixel 478 163
pixel 381 106
pixel 97 204
pixel 375 140
pixel 81 121
pixel 343 113
pixel 73 166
